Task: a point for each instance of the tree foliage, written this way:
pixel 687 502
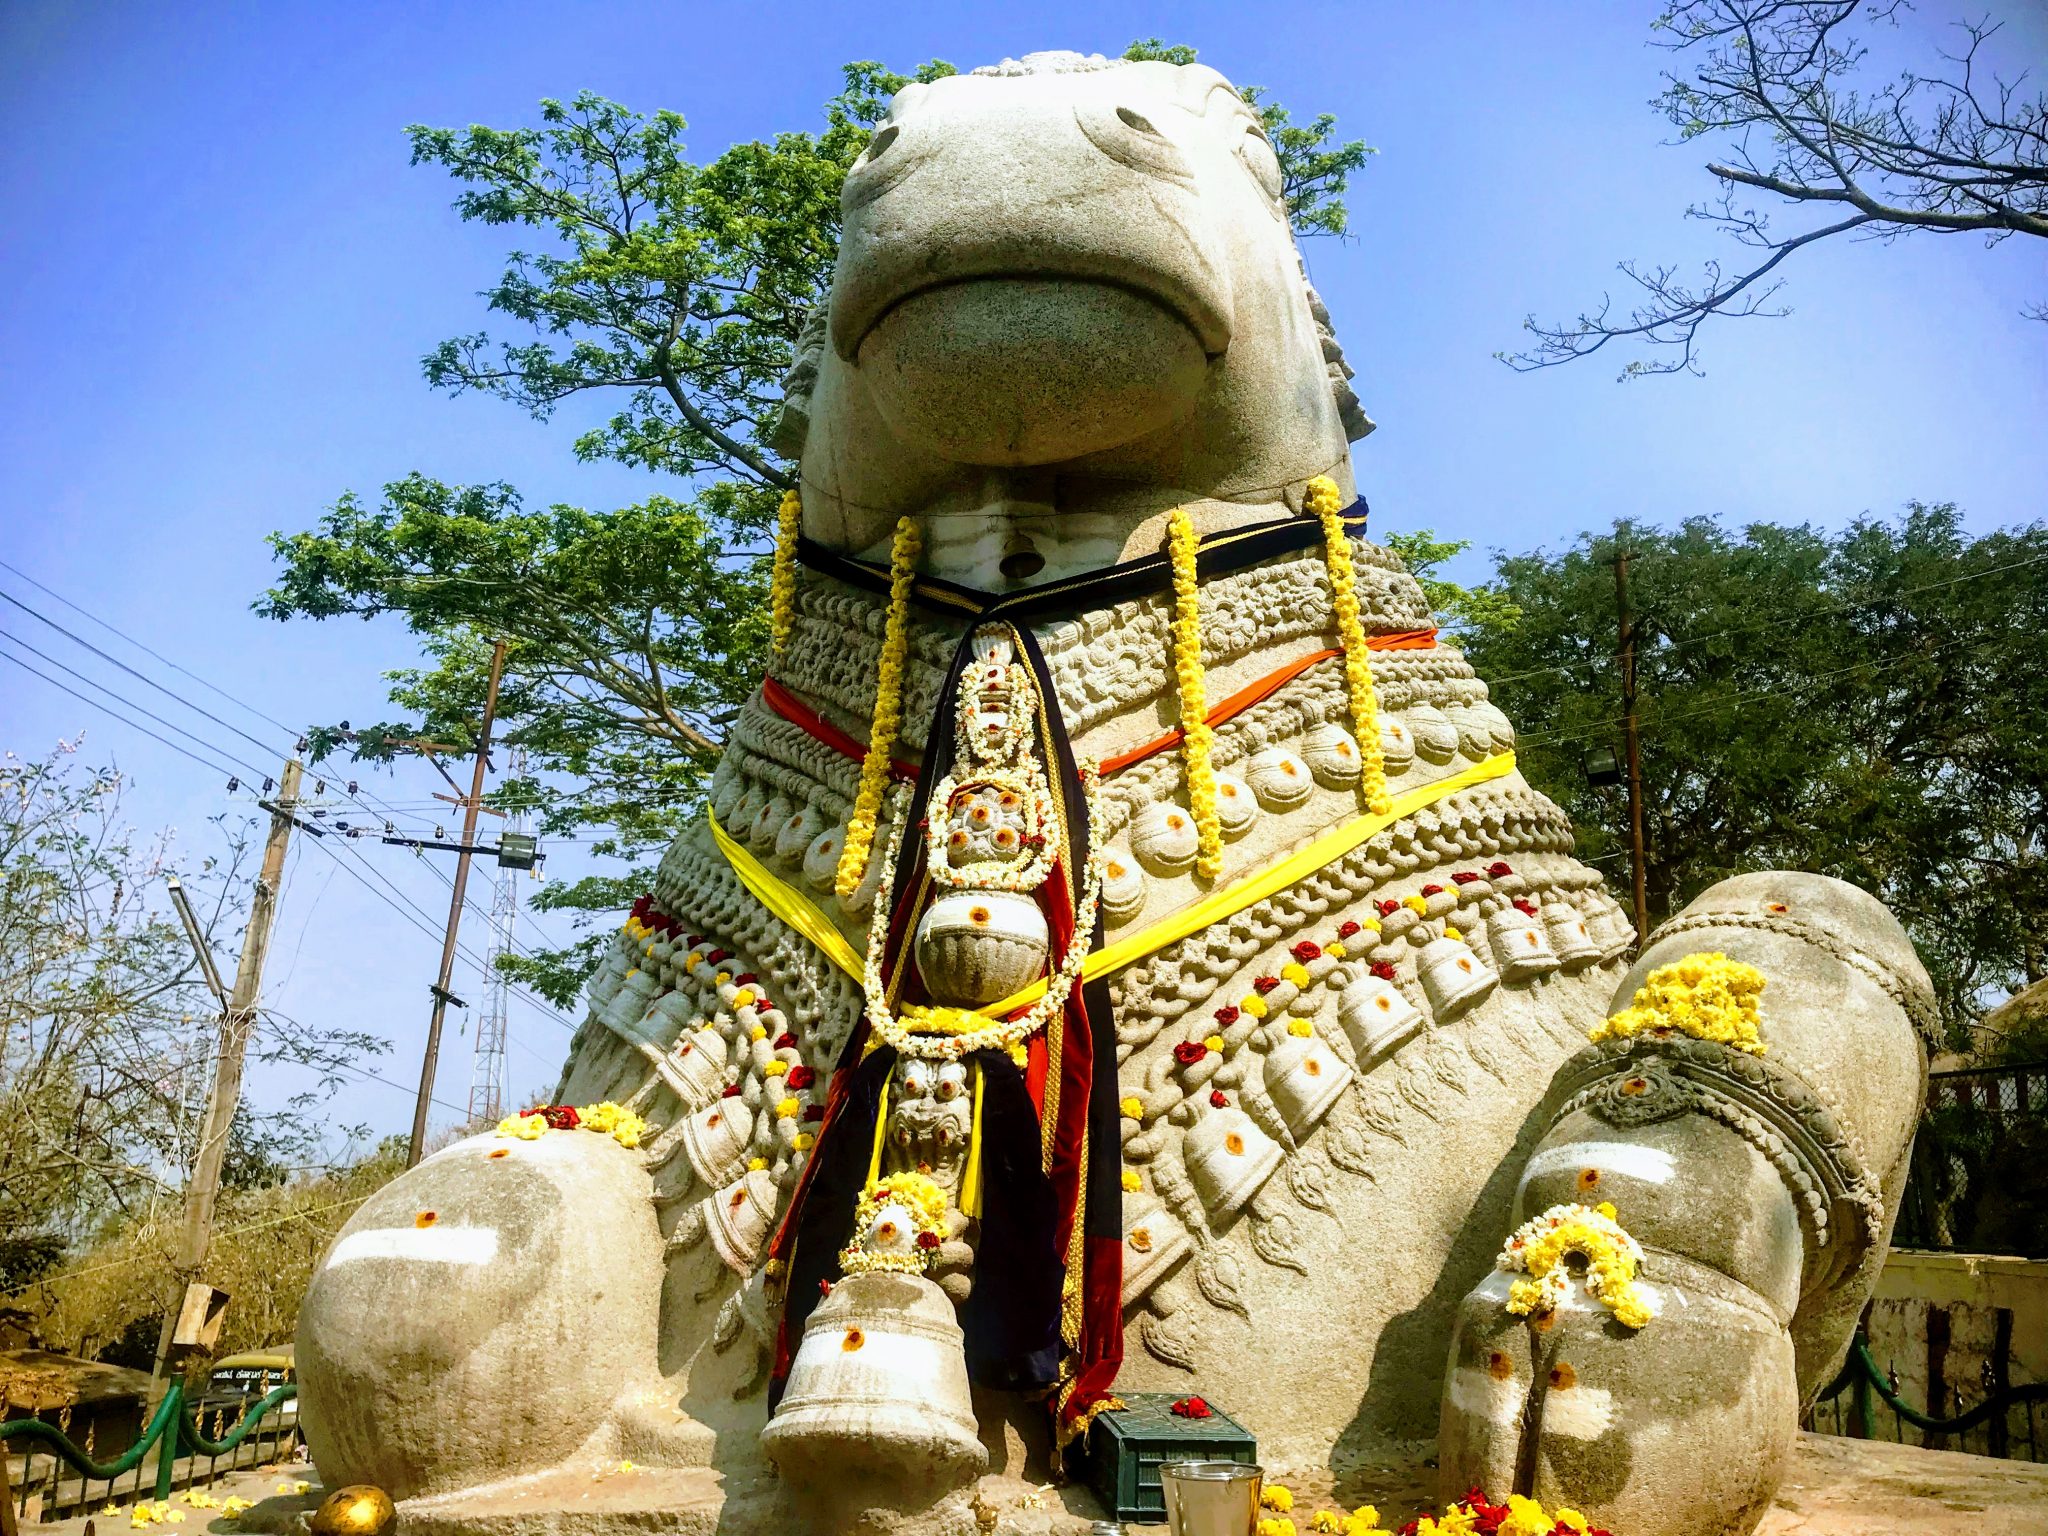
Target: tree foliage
pixel 106 1029
pixel 1863 704
pixel 1789 87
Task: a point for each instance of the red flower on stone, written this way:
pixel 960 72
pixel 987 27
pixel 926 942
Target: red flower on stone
pixel 1431 890
pixel 801 1077
pixel 1227 1015
pixel 1525 906
pixel 1307 950
pixel 1190 1408
pixel 1384 969
pixel 732 1091
pixel 1497 869
pixel 561 1117
pixel 1188 1052
pixel 785 1041
pixel 927 1240
pixel 1265 984
pixel 1388 908
pixel 1465 877
pixel 1217 1098
pixel 1348 930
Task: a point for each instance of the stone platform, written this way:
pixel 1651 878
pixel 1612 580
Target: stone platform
pixel 1837 1487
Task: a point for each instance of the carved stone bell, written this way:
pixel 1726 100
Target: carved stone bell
pixel 1453 978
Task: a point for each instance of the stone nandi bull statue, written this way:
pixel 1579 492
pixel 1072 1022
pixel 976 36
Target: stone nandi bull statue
pixel 1120 950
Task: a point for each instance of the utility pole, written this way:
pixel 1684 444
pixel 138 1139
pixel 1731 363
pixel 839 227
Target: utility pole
pixel 487 1069
pixel 1634 747
pixel 441 993
pixel 238 1013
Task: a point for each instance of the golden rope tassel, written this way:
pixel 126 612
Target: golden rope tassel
pixel 1322 503
pixel 1196 736
pixel 782 584
pixel 888 718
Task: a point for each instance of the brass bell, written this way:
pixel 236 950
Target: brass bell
pixel 361 1509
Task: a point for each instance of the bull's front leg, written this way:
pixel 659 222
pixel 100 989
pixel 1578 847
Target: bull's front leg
pixel 1703 1218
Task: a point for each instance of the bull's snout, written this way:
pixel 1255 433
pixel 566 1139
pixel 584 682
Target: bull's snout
pixel 1010 179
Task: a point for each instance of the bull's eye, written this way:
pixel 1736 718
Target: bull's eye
pixel 878 146
pixel 1257 153
pixel 1139 121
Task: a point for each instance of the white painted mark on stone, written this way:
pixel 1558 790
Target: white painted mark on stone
pixel 424 1245
pixel 1480 1395
pixel 1651 1165
pixel 1578 1413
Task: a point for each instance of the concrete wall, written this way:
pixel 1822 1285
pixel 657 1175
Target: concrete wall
pixel 1920 1294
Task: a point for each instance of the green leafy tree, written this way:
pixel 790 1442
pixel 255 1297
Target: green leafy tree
pixel 1863 704
pixel 676 289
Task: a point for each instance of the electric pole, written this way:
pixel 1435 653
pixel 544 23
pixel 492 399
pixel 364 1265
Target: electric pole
pixel 487 1069
pixel 1634 749
pixel 238 1013
pixel 441 993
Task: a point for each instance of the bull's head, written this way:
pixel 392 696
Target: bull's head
pixel 1067 296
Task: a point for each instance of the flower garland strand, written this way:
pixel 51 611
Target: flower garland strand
pixel 888 717
pixel 1197 737
pixel 1540 1246
pixel 782 582
pixel 1707 996
pixel 607 1119
pixel 1321 502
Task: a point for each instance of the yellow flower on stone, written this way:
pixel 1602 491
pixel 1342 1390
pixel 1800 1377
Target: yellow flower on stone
pixel 1362 1521
pixel 1254 1005
pixel 888 714
pixel 1132 1106
pixel 782 579
pixel 1451 932
pixel 1295 972
pixel 1197 736
pixel 1335 949
pixel 1707 996
pixel 1415 903
pixel 1300 1028
pixel 1525 1518
pixel 1326 1522
pixel 1277 1497
pixel 1541 1246
pixel 1276 1527
pixel 1131 1181
pixel 1213 1042
pixel 756 1164
pixel 1320 501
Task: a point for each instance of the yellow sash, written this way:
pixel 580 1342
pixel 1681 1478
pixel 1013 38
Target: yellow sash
pixel 804 915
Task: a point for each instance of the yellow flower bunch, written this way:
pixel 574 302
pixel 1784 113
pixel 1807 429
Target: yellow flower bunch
pixel 1277 1525
pixel 1300 1028
pixel 888 716
pixel 1707 996
pixel 782 583
pixel 1322 503
pixel 1277 1497
pixel 608 1119
pixel 925 1200
pixel 1197 738
pixel 788 1109
pixel 1213 1042
pixel 1540 1247
pixel 525 1127
pixel 1132 1106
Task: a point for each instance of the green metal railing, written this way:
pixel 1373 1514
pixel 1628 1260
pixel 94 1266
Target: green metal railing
pixel 170 1431
pixel 1867 1384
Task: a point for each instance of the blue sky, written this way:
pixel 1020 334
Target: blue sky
pixel 219 273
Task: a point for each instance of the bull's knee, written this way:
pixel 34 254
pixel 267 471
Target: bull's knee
pixel 480 1316
pixel 1747 1112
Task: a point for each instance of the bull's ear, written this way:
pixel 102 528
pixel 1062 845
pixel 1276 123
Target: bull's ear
pixel 792 422
pixel 1352 414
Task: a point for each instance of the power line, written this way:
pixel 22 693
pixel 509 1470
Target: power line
pixel 78 639
pixel 227 773
pixel 174 666
pixel 150 714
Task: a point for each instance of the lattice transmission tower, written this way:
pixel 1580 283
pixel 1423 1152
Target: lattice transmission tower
pixel 487 1070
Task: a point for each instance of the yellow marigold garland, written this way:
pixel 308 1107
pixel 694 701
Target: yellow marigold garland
pixel 1197 739
pixel 1707 996
pixel 1323 504
pixel 1541 1245
pixel 888 718
pixel 782 583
